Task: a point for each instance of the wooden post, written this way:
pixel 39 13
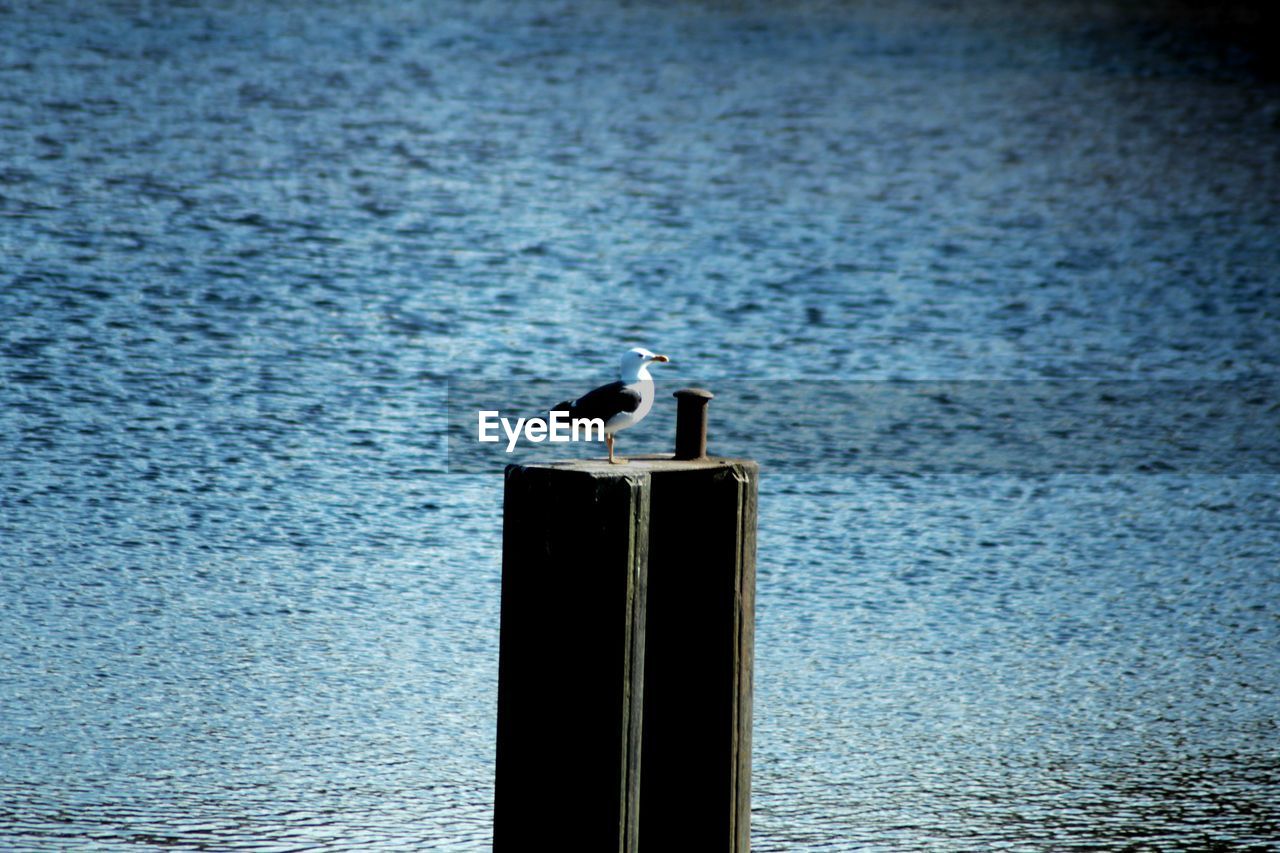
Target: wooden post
pixel 699 651
pixel 571 657
pixel 626 653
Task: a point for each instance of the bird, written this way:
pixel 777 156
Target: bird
pixel 619 404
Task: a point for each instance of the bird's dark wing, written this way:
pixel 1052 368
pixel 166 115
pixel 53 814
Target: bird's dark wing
pixel 603 403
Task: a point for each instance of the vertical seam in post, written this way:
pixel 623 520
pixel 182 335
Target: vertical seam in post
pixel 638 533
pixel 628 663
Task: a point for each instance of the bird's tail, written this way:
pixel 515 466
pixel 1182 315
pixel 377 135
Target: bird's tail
pixel 566 406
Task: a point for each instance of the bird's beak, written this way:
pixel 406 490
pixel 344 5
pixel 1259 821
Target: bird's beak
pixel 661 358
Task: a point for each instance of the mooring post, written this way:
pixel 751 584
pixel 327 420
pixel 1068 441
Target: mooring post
pixel 691 422
pixel 626 651
pixel 571 657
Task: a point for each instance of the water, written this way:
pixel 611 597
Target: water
pixel 243 249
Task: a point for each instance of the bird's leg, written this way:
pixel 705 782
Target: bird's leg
pixel 608 440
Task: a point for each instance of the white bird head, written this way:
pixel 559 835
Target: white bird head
pixel 635 363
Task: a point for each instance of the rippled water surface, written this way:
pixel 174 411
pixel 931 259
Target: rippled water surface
pixel 245 247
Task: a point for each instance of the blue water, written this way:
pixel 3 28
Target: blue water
pixel 244 248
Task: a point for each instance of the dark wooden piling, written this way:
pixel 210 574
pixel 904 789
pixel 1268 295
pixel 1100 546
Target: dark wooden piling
pixel 571 656
pixel 626 652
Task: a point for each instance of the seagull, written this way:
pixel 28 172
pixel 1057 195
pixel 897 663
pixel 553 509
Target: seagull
pixel 619 404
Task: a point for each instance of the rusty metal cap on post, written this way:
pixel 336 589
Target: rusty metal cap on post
pixel 691 422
